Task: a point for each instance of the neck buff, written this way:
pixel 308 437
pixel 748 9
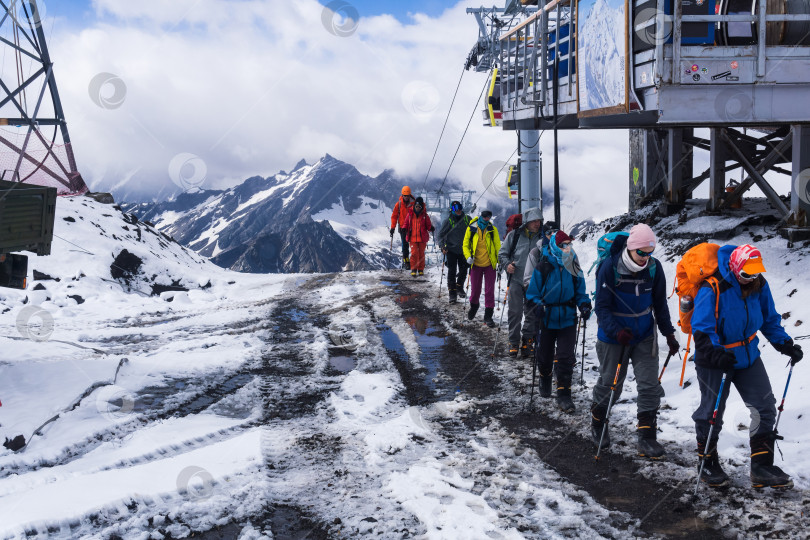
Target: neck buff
pixel 630 264
pixel 482 224
pixel 566 258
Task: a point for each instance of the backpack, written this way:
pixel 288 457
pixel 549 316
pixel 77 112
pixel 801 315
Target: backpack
pixel 545 267
pixel 513 222
pixel 697 266
pixel 603 246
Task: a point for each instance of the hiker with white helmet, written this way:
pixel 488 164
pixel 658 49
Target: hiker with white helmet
pixel 512 257
pixel 631 298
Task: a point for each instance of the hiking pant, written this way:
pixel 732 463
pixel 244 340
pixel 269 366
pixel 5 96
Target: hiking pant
pixel 402 235
pixel 519 311
pixel 565 359
pixel 644 356
pixel 755 390
pixel 418 255
pixel 487 273
pixel 455 279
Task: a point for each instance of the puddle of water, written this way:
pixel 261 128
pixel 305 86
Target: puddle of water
pixel 431 342
pixel 344 364
pixel 296 315
pixel 404 298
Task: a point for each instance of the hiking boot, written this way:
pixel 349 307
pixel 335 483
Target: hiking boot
pixel 763 472
pixel 421 272
pixel 453 296
pixel 648 446
pixel 527 347
pixel 460 292
pixel 564 401
pixel 413 273
pixel 513 350
pixel 545 385
pixel 598 425
pixel 488 311
pixel 713 474
pixel 472 311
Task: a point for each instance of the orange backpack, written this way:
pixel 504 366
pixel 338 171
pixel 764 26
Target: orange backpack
pixel 696 266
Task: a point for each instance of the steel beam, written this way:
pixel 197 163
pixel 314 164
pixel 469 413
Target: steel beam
pixel 800 192
pixel 717 170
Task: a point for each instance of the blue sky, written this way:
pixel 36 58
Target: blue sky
pixel 76 10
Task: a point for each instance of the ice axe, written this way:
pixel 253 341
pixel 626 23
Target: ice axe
pixel 711 428
pixel 610 402
pixel 665 365
pixel 439 295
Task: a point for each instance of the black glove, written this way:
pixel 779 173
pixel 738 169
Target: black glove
pixel 673 345
pixel 624 336
pixel 432 228
pixel 790 349
pixel 720 358
pixel 585 310
pixel 392 231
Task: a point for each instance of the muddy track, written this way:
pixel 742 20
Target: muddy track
pixel 614 481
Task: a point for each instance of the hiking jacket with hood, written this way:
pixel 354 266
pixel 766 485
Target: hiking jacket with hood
pixel 526 241
pixel 417 227
pixel 632 300
pixel 491 237
pixel 738 319
pixel 451 235
pixel 559 291
pixel 400 213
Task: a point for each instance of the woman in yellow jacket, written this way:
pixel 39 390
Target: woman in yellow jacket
pixel 481 246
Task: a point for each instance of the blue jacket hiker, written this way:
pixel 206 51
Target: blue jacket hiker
pixel 726 342
pixel 631 299
pixel 556 288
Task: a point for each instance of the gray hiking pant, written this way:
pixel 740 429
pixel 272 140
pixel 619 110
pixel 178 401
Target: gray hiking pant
pixel 755 390
pixel 644 356
pixel 519 312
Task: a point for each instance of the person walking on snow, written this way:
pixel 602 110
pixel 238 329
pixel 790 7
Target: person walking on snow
pixel 417 230
pixel 512 256
pixel 401 208
pixel 726 341
pixel 556 286
pixel 631 298
pixel 451 240
pixel 481 246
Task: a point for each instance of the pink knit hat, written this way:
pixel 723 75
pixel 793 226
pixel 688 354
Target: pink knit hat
pixel 641 236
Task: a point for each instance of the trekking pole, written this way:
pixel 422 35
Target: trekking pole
pixel 685 358
pixel 582 367
pixel 390 249
pixel 534 374
pixel 444 256
pixel 499 288
pixel 663 369
pixel 500 322
pixel 711 428
pixel 782 405
pixel 610 403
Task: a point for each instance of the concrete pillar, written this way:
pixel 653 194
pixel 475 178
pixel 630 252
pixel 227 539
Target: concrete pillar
pixel 531 180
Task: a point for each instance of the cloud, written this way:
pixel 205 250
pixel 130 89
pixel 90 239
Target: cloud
pixel 251 87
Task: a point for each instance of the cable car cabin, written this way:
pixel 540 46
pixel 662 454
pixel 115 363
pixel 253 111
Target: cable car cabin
pixel 657 63
pixel 493 115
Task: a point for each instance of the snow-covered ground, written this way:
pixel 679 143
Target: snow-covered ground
pixel 324 405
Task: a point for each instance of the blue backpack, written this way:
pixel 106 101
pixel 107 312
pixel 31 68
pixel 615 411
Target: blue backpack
pixel 603 248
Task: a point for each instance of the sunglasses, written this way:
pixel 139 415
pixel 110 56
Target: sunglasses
pixel 565 245
pixel 642 253
pixel 455 208
pixel 746 275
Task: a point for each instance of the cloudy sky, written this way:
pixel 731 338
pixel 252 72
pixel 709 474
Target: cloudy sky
pixel 252 87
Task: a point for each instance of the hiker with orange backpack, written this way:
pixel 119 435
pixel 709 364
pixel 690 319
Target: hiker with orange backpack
pixel 417 232
pixel 398 216
pixel 631 298
pixel 730 308
pixel 512 256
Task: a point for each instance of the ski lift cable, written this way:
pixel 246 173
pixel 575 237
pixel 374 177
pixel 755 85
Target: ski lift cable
pixel 494 177
pixel 424 187
pixel 475 109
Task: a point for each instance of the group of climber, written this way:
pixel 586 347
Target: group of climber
pixel 731 304
pixel 414 229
